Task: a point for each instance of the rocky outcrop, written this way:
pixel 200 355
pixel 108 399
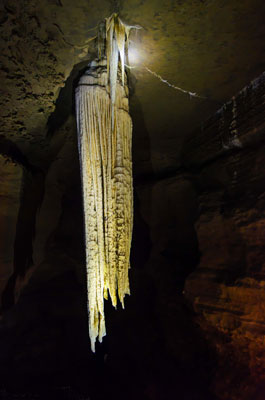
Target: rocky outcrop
pixel 227 289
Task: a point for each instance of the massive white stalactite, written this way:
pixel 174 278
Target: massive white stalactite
pixel 105 135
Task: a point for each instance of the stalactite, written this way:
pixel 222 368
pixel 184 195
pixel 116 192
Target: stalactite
pixel 105 135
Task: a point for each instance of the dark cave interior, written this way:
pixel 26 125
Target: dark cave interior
pixel 193 327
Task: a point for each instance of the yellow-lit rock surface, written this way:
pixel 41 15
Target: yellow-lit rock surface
pixel 106 170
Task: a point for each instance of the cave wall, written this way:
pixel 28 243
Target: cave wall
pixel 10 183
pixel 44 343
pixel 226 289
pixel 43 275
pixel 197 307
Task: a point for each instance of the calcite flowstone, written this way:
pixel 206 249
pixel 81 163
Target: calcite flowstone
pixel 106 169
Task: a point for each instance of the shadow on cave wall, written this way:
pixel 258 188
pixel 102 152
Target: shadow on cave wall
pixel 141 158
pixel 65 103
pixel 31 198
pixel 33 187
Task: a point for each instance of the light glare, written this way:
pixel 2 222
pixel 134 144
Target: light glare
pixel 134 56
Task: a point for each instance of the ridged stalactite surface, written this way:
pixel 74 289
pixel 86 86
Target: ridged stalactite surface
pixel 106 169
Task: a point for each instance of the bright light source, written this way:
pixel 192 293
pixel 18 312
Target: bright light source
pixel 134 56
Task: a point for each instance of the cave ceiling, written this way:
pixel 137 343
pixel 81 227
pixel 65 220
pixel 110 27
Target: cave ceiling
pixel 211 47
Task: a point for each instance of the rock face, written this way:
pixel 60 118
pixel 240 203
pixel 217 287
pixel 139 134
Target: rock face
pixel 227 289
pixel 43 42
pixel 196 313
pixel 10 182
